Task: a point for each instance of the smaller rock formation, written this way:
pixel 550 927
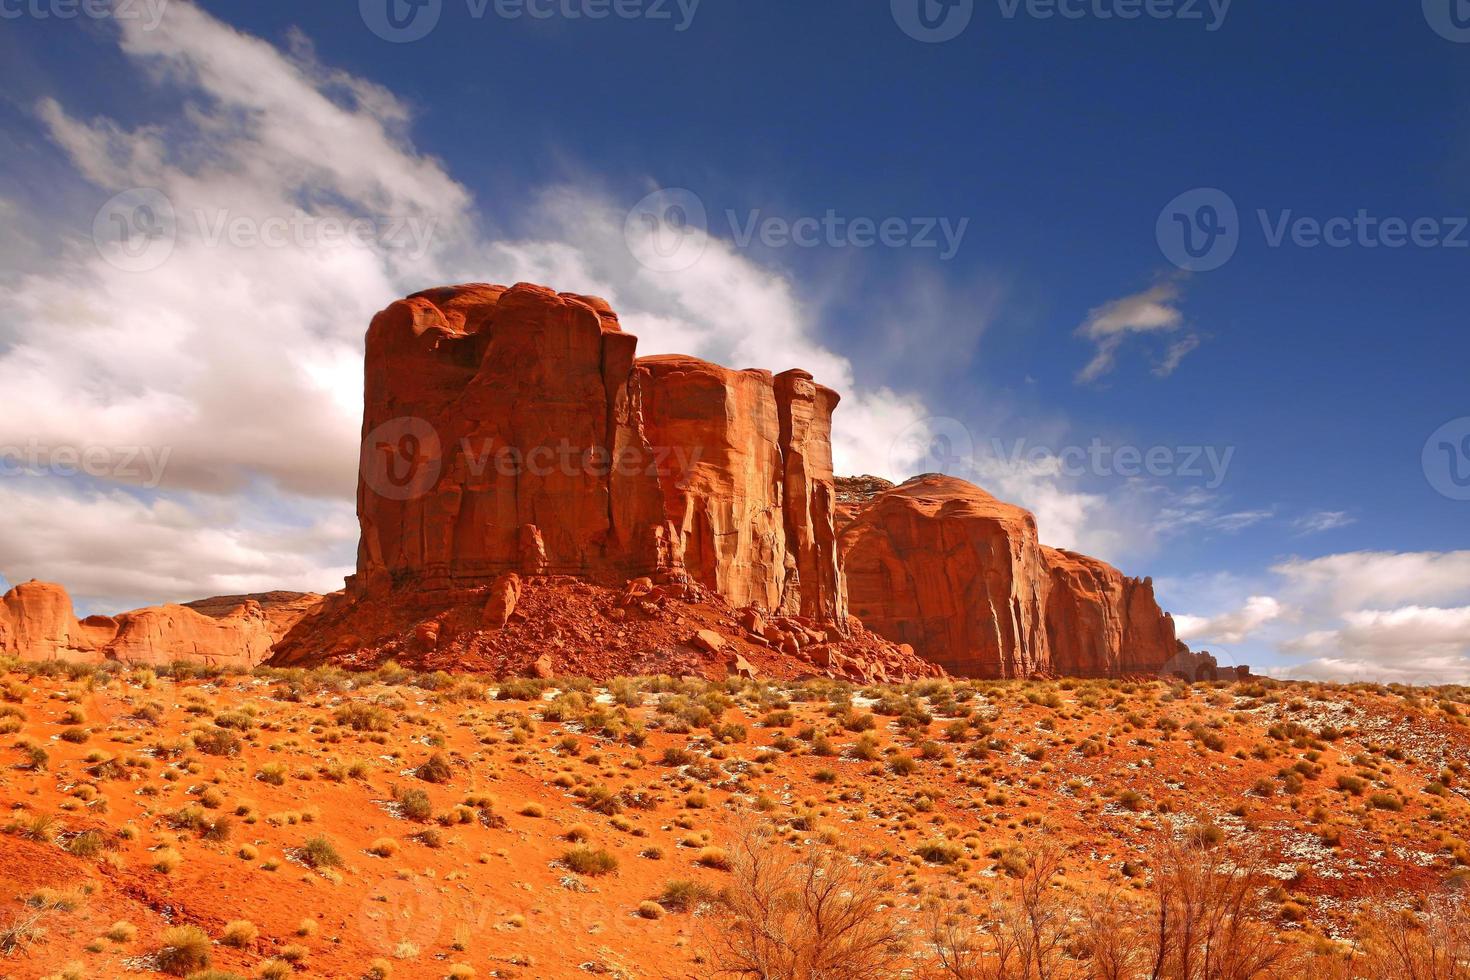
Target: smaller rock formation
pixel 37 622
pixel 941 564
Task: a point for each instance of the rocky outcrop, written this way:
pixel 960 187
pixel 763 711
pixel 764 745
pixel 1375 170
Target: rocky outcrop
pixel 37 623
pixel 513 429
pixel 1100 622
pixel 941 564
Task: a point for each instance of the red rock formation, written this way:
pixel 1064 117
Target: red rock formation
pixel 37 623
pixel 1101 623
pixel 513 429
pixel 940 564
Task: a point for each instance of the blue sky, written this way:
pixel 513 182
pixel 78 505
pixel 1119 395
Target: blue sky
pixel 1047 147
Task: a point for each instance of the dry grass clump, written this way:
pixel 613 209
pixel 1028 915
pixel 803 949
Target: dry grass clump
pixel 185 950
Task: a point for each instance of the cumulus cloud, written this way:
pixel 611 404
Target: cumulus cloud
pixel 1391 616
pixel 1154 311
pixel 1230 627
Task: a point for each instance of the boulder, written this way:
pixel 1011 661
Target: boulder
pixel 505 592
pixel 708 640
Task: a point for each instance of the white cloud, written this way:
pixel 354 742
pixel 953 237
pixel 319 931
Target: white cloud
pixel 115 551
pixel 1323 520
pixel 1197 509
pixel 1340 583
pixel 1231 627
pixel 1391 616
pixel 1154 311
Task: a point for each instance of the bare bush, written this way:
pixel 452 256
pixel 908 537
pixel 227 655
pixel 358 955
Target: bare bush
pixel 1432 945
pixel 811 915
pixel 1207 917
pixel 1021 934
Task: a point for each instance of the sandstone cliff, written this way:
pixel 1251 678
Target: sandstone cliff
pixel 37 622
pixel 942 565
pixel 514 430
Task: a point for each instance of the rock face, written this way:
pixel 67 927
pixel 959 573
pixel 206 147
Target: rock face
pixel 37 623
pixel 942 565
pixel 514 430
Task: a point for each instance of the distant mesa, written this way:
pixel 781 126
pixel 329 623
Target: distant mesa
pixel 535 499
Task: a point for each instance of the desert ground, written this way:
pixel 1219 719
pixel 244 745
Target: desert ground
pixel 321 823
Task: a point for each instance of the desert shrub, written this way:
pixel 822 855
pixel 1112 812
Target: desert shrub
pixel 939 852
pixel 239 934
pixel 319 852
pixel 435 770
pixel 185 950
pixel 217 741
pixel 272 773
pixel 413 803
pixel 87 844
pixel 589 861
pixel 680 895
pixel 363 717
